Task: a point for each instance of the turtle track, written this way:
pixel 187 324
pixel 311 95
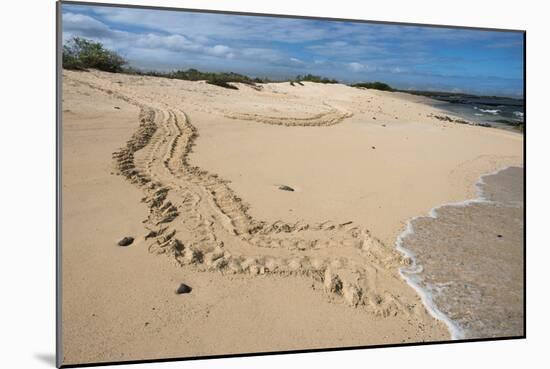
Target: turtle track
pixel 198 220
pixel 329 118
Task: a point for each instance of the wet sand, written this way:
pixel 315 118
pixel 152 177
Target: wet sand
pixel 470 258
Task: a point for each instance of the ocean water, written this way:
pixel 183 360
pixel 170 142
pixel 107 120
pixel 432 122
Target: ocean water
pixel 480 109
pixel 468 259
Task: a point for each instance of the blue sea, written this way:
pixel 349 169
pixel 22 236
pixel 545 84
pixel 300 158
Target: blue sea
pixel 501 112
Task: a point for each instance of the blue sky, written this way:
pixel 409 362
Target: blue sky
pixel 407 57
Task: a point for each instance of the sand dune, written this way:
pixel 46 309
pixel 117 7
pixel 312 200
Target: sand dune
pixel 208 162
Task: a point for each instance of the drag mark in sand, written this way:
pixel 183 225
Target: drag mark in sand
pixel 196 219
pixel 329 118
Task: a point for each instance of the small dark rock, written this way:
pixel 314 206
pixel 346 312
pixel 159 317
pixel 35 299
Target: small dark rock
pixel 499 235
pixel 183 288
pixel 286 188
pixel 126 241
pixel 117 107
pixel 373 147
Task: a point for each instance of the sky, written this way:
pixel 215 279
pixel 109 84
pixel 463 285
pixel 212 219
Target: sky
pixel 406 57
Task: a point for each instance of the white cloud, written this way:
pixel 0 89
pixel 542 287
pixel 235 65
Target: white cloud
pixel 235 27
pixel 356 67
pixel 171 42
pixel 262 54
pixel 361 67
pixel 85 25
pixel 297 61
pixel 219 50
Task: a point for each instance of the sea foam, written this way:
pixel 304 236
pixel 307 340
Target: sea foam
pixel 411 273
pixel 490 111
pixel 519 114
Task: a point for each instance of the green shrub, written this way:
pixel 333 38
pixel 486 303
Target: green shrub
pixel 314 78
pixel 80 53
pixel 71 61
pixel 221 82
pixel 374 85
pixel 218 79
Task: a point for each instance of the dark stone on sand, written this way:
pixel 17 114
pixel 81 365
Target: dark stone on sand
pixel 499 235
pixel 117 107
pixel 183 288
pixel 126 241
pixel 286 188
pixel 373 147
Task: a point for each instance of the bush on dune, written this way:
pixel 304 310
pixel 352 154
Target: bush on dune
pixel 221 79
pixel 314 78
pixel 71 62
pixel 374 85
pixel 80 54
pixel 217 81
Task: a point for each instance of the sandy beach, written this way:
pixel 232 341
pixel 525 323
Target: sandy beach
pixel 194 173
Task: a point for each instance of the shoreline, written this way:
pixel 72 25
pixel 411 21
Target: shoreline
pixel 444 106
pixel 409 273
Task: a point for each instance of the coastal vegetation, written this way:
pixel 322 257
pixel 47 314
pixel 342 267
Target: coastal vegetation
pixel 374 86
pixel 81 54
pixel 314 78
